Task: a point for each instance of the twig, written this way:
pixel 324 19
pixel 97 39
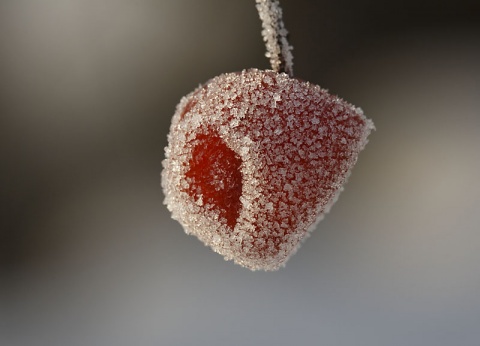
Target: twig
pixel 275 36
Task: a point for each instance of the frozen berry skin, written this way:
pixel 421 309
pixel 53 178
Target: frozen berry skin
pixel 254 160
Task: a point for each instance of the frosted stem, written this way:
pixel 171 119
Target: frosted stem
pixel 275 36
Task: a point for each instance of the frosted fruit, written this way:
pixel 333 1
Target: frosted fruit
pixel 254 160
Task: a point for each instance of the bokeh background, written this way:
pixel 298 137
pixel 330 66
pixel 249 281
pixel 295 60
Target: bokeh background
pixel 89 254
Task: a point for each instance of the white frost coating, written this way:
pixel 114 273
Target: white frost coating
pixel 275 36
pixel 292 168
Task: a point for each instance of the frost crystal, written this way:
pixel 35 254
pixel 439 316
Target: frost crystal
pixel 251 177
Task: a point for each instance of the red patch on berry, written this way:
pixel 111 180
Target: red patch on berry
pixel 214 176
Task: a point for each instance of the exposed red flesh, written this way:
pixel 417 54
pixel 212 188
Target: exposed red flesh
pixel 215 177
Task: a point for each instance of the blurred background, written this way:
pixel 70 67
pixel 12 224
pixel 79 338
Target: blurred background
pixel 88 252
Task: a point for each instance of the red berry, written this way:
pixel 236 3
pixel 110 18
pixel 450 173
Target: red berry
pixel 255 159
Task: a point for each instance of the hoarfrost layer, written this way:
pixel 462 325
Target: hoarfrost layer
pixel 254 161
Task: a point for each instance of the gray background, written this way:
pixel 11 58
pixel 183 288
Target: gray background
pixel 90 256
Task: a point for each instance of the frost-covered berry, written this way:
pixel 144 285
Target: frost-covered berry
pixel 255 159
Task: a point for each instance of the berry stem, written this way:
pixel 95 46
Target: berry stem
pixel 275 36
